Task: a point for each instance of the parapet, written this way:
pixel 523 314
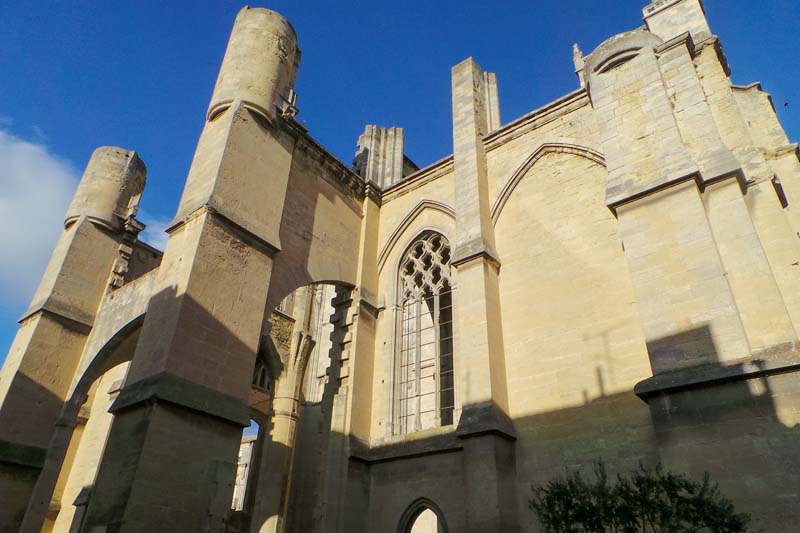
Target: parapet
pixel 110 188
pixel 670 18
pixel 260 64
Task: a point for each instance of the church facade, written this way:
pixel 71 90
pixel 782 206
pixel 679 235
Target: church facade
pixel 612 276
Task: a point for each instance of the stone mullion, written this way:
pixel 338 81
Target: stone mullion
pixel 418 365
pixel 399 318
pixel 437 371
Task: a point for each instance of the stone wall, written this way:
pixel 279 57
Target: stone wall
pixel 624 279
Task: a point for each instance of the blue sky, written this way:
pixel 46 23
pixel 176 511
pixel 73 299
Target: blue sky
pixel 75 75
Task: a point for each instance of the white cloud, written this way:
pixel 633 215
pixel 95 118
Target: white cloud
pixel 35 189
pixel 154 233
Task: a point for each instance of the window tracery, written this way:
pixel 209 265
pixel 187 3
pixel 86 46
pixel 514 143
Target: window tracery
pixel 425 384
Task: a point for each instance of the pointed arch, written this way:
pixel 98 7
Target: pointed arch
pixel 416 508
pixel 406 222
pixel 117 348
pixel 543 150
pixel 424 398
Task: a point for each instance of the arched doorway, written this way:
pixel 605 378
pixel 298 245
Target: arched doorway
pixel 422 516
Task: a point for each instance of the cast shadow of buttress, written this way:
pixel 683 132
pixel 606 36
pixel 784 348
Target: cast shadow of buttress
pixel 733 420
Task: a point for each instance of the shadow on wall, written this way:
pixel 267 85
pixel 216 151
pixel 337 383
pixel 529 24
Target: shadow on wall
pixel 690 348
pixel 320 452
pixel 29 475
pixel 730 430
pixel 188 441
pixel 741 428
pixel 20 465
pixel 737 420
pixel 280 474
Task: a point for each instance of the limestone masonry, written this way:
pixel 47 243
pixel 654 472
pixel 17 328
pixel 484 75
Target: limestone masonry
pixel 614 275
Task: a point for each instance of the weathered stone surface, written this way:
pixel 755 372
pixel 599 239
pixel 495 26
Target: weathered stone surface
pixel 622 284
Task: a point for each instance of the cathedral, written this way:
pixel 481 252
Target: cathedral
pixel 377 347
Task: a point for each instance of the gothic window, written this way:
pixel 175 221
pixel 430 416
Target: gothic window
pixel 261 376
pixel 261 373
pixel 424 396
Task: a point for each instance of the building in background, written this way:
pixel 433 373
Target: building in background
pixel 242 471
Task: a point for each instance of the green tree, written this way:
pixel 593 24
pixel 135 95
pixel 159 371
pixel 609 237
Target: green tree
pixel 646 501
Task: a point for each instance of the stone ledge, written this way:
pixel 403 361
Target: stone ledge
pixel 537 118
pixel 683 39
pixel 485 419
pixel 478 422
pixel 174 390
pixel 431 445
pixel 68 315
pixel 473 251
pixel 776 153
pixel 229 222
pixel 22 454
pixel 710 375
pixel 699 180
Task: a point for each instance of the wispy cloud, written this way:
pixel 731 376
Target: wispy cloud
pixel 38 134
pixel 35 189
pixel 154 233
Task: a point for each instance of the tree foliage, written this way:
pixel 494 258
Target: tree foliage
pixel 647 501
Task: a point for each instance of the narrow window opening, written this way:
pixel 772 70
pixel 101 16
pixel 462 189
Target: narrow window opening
pixel 425 381
pixel 261 376
pixel 776 184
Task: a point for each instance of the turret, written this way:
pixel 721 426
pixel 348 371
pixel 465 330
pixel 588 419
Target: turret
pixel 260 64
pixel 110 188
pixel 40 366
pixel 238 162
